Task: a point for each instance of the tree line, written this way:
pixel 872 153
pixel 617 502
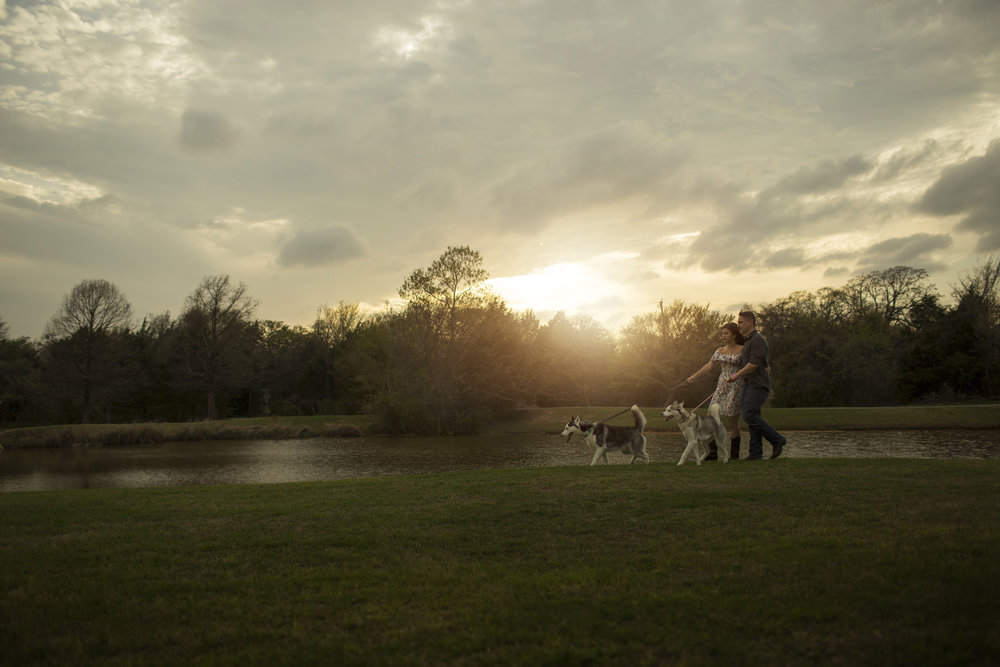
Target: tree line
pixel 455 356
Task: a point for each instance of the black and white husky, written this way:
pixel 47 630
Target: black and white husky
pixel 604 438
pixel 699 431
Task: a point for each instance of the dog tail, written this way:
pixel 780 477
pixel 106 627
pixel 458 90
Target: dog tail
pixel 640 418
pixel 715 411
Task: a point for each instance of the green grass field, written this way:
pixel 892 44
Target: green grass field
pixel 789 419
pixel 838 562
pixel 536 420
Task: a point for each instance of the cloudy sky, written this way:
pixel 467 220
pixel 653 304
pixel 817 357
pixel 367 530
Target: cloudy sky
pixel 601 155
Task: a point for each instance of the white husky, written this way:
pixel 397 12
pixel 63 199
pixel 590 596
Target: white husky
pixel 604 438
pixel 699 431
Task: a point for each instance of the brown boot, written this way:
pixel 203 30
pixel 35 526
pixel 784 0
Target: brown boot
pixel 734 448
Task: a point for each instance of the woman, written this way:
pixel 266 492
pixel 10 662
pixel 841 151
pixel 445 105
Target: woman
pixel 729 395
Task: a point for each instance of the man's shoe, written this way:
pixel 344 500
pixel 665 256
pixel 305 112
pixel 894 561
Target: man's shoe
pixel 777 449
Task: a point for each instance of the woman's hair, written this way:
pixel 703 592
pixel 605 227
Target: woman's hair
pixel 735 330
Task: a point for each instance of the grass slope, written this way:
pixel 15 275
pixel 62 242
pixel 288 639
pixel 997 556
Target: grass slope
pixel 784 562
pixel 536 420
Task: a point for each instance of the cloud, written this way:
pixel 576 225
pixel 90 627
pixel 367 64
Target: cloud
pixel 719 140
pixel 916 250
pixel 821 177
pixel 610 165
pixel 322 247
pixel 789 257
pixel 972 189
pixel 207 131
pixel 906 159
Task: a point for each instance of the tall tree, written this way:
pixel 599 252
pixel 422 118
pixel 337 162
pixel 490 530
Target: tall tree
pixel 331 329
pixel 216 339
pixel 887 295
pixel 978 296
pixel 578 352
pixel 81 340
pixel 455 280
pixel 939 359
pixel 157 397
pixel 18 375
pixel 803 335
pixel 287 370
pixel 664 347
pixel 426 346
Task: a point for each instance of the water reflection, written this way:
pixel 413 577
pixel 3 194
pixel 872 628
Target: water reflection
pixel 272 461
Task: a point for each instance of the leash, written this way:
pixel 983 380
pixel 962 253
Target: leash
pixel 607 419
pixel 703 402
pixel 686 384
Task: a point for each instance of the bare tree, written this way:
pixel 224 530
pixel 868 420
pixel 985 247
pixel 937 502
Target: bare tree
pixel 576 353
pixel 983 282
pixel 216 338
pixel 664 347
pixel 888 294
pixel 979 292
pixel 93 305
pixel 331 328
pixel 333 325
pixel 80 339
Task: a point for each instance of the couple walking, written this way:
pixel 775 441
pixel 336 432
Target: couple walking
pixel 744 384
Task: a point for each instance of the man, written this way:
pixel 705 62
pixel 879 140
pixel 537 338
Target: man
pixel 758 387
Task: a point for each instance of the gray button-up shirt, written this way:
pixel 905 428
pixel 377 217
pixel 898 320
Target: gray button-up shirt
pixel 755 352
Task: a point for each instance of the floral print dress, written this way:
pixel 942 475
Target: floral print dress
pixel 729 395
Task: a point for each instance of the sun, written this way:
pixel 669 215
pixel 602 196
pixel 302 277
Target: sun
pixel 566 286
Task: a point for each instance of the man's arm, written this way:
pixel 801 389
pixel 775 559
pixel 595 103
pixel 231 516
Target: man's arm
pixel 746 370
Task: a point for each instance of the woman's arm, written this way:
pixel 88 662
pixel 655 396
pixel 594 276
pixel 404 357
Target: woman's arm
pixel 704 369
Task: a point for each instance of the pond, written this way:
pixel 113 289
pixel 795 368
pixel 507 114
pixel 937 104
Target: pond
pixel 274 461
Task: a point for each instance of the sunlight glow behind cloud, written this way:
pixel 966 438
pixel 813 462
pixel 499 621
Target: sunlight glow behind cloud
pixel 408 44
pixel 566 286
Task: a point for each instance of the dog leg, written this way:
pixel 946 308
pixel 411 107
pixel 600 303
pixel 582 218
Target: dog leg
pixel 691 449
pixel 701 451
pixel 601 451
pixel 722 441
pixel 684 454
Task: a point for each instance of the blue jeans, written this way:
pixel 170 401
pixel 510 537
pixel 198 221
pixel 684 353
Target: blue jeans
pixel 753 401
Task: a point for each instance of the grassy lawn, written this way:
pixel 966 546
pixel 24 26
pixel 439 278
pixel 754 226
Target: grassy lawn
pixel 535 420
pixel 272 428
pixel 786 419
pixel 787 562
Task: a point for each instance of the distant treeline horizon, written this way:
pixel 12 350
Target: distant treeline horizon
pixel 455 356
